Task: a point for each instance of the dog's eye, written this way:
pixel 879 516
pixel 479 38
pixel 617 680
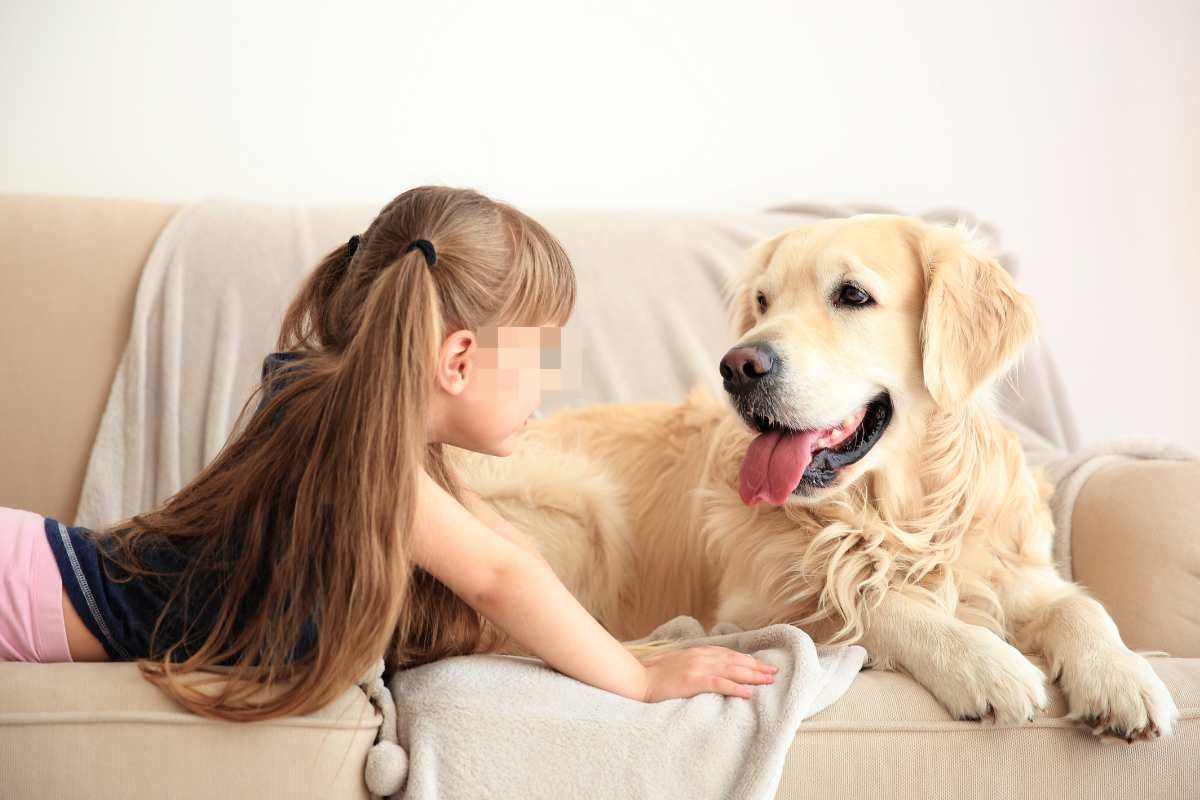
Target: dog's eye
pixel 851 295
pixel 762 303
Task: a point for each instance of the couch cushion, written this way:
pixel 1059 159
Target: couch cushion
pixel 101 730
pixel 889 737
pixel 1136 546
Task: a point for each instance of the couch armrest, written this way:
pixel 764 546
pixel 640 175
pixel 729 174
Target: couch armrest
pixel 1135 544
pixel 99 729
pixel 69 271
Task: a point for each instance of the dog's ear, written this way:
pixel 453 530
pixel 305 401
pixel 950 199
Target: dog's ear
pixel 742 306
pixel 975 322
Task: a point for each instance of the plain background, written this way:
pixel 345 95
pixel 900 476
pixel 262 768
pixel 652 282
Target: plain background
pixel 1072 126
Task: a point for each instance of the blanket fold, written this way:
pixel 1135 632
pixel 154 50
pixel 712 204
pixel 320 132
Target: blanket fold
pixel 510 726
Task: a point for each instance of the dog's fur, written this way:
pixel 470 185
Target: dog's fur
pixel 933 550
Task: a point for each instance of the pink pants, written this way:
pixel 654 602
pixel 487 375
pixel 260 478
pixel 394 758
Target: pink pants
pixel 31 613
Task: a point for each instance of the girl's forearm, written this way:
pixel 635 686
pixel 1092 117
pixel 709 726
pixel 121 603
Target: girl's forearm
pixel 534 607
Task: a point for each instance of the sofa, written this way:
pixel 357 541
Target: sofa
pixel 68 284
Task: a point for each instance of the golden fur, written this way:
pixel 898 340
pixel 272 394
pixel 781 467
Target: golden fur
pixel 933 550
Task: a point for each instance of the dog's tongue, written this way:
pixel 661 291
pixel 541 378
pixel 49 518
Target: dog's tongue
pixel 773 465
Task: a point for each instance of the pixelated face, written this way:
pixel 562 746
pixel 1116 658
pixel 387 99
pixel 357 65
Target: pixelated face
pixel 520 361
pixel 512 366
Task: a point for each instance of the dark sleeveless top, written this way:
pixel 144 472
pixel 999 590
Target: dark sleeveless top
pixel 122 615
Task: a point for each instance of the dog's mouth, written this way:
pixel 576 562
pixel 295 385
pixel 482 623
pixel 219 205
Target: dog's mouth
pixel 781 462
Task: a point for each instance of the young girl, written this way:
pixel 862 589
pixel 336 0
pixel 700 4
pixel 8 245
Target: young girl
pixel 331 529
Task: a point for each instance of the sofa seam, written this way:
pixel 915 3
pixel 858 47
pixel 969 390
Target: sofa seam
pixel 162 718
pixel 949 727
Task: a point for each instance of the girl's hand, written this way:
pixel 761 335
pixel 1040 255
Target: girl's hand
pixel 703 668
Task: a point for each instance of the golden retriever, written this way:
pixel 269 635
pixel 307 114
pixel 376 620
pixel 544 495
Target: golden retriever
pixel 855 481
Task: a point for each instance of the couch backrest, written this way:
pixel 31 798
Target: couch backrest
pixel 650 320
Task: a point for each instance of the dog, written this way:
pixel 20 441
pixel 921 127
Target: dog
pixel 855 481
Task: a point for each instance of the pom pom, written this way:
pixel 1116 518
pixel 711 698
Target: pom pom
pixel 387 767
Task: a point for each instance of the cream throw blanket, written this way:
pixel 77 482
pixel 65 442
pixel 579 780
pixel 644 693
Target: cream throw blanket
pixel 508 726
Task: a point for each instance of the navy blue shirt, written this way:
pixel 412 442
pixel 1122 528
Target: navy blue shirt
pixel 121 613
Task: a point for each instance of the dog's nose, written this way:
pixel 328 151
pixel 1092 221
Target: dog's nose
pixel 743 366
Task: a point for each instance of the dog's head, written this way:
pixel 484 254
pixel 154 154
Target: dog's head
pixel 850 333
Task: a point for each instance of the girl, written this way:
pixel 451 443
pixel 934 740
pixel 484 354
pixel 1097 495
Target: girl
pixel 332 529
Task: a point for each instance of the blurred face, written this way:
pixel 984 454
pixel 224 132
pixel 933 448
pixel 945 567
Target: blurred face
pixel 489 382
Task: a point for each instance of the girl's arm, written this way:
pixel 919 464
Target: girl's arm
pixel 490 517
pixel 517 590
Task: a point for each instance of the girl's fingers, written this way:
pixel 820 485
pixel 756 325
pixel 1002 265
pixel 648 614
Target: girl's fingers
pixel 727 687
pixel 743 674
pixel 750 661
pixel 745 660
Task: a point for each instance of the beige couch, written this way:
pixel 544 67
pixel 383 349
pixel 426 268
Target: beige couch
pixel 67 287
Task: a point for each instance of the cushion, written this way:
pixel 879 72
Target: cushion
pixel 889 737
pixel 1136 546
pixel 102 730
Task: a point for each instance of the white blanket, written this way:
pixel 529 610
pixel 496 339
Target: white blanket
pixel 508 726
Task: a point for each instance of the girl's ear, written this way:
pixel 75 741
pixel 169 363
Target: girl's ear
pixel 454 365
pixel 742 306
pixel 975 322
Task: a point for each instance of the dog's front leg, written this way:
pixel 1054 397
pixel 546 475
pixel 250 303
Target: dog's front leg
pixel 1109 688
pixel 972 671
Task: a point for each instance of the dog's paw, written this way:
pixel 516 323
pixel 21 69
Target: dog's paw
pixel 979 675
pixel 1115 693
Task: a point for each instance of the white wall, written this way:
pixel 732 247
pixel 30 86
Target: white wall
pixel 1072 127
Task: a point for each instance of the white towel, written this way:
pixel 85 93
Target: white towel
pixel 510 726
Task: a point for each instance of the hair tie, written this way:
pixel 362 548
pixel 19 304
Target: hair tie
pixel 351 248
pixel 339 269
pixel 425 247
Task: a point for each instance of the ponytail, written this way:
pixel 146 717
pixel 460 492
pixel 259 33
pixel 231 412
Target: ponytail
pixel 303 521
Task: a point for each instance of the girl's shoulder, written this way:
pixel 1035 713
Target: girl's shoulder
pixel 274 374
pixel 274 361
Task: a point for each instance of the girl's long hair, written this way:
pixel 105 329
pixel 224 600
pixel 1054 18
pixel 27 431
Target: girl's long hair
pixel 305 514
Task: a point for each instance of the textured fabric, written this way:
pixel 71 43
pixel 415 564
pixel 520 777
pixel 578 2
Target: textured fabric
pixel 101 731
pixel 888 737
pixel 1071 474
pixel 32 627
pixel 1137 549
pixel 80 256
pixel 885 737
pixel 508 726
